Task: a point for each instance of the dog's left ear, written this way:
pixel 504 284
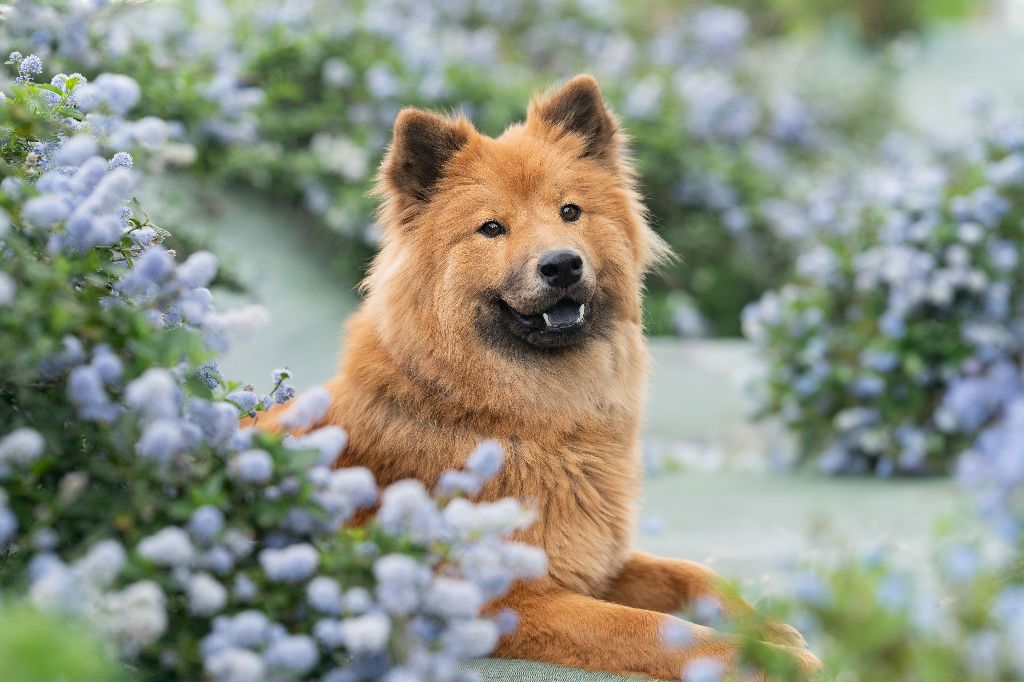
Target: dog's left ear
pixel 577 108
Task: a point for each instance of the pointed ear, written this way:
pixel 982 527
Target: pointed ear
pixel 578 108
pixel 422 145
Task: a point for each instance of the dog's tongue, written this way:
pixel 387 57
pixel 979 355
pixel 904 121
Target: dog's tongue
pixel 565 313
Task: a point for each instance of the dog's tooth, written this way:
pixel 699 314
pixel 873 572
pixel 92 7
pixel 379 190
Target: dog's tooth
pixel 547 321
pixel 580 318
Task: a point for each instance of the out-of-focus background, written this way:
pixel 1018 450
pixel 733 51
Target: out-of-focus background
pixel 841 181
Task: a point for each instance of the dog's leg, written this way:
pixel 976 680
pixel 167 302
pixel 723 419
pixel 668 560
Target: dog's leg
pixel 565 628
pixel 666 585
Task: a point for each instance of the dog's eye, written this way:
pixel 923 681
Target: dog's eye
pixel 492 228
pixel 570 213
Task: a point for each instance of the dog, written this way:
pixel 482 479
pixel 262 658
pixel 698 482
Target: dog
pixel 505 302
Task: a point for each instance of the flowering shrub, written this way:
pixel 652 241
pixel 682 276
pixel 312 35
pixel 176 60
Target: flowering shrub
pixel 896 349
pixel 900 339
pixel 130 497
pixel 874 617
pixel 298 101
pixel 872 621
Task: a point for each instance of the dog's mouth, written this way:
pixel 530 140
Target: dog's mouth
pixel 561 324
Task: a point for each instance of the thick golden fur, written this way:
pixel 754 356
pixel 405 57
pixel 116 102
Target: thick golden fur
pixel 424 378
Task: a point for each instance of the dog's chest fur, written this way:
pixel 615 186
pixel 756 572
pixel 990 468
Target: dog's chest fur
pixel 577 464
pixel 582 479
pixel 585 490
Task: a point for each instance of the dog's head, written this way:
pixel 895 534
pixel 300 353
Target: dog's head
pixel 531 243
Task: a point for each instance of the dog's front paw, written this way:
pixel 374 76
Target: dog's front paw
pixel 804 667
pixel 808 663
pixel 775 632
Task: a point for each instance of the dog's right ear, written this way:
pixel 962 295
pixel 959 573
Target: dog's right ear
pixel 422 145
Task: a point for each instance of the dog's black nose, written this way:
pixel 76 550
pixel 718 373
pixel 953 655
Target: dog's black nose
pixel 561 268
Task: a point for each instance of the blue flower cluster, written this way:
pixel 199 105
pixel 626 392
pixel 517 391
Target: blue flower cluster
pixel 899 340
pixel 101 35
pixel 897 349
pixel 130 496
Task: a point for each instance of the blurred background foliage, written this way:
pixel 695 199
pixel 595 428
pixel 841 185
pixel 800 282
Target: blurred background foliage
pixel 297 99
pixel 874 21
pixel 27 637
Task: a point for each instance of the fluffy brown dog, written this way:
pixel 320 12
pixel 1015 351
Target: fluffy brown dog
pixel 505 303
